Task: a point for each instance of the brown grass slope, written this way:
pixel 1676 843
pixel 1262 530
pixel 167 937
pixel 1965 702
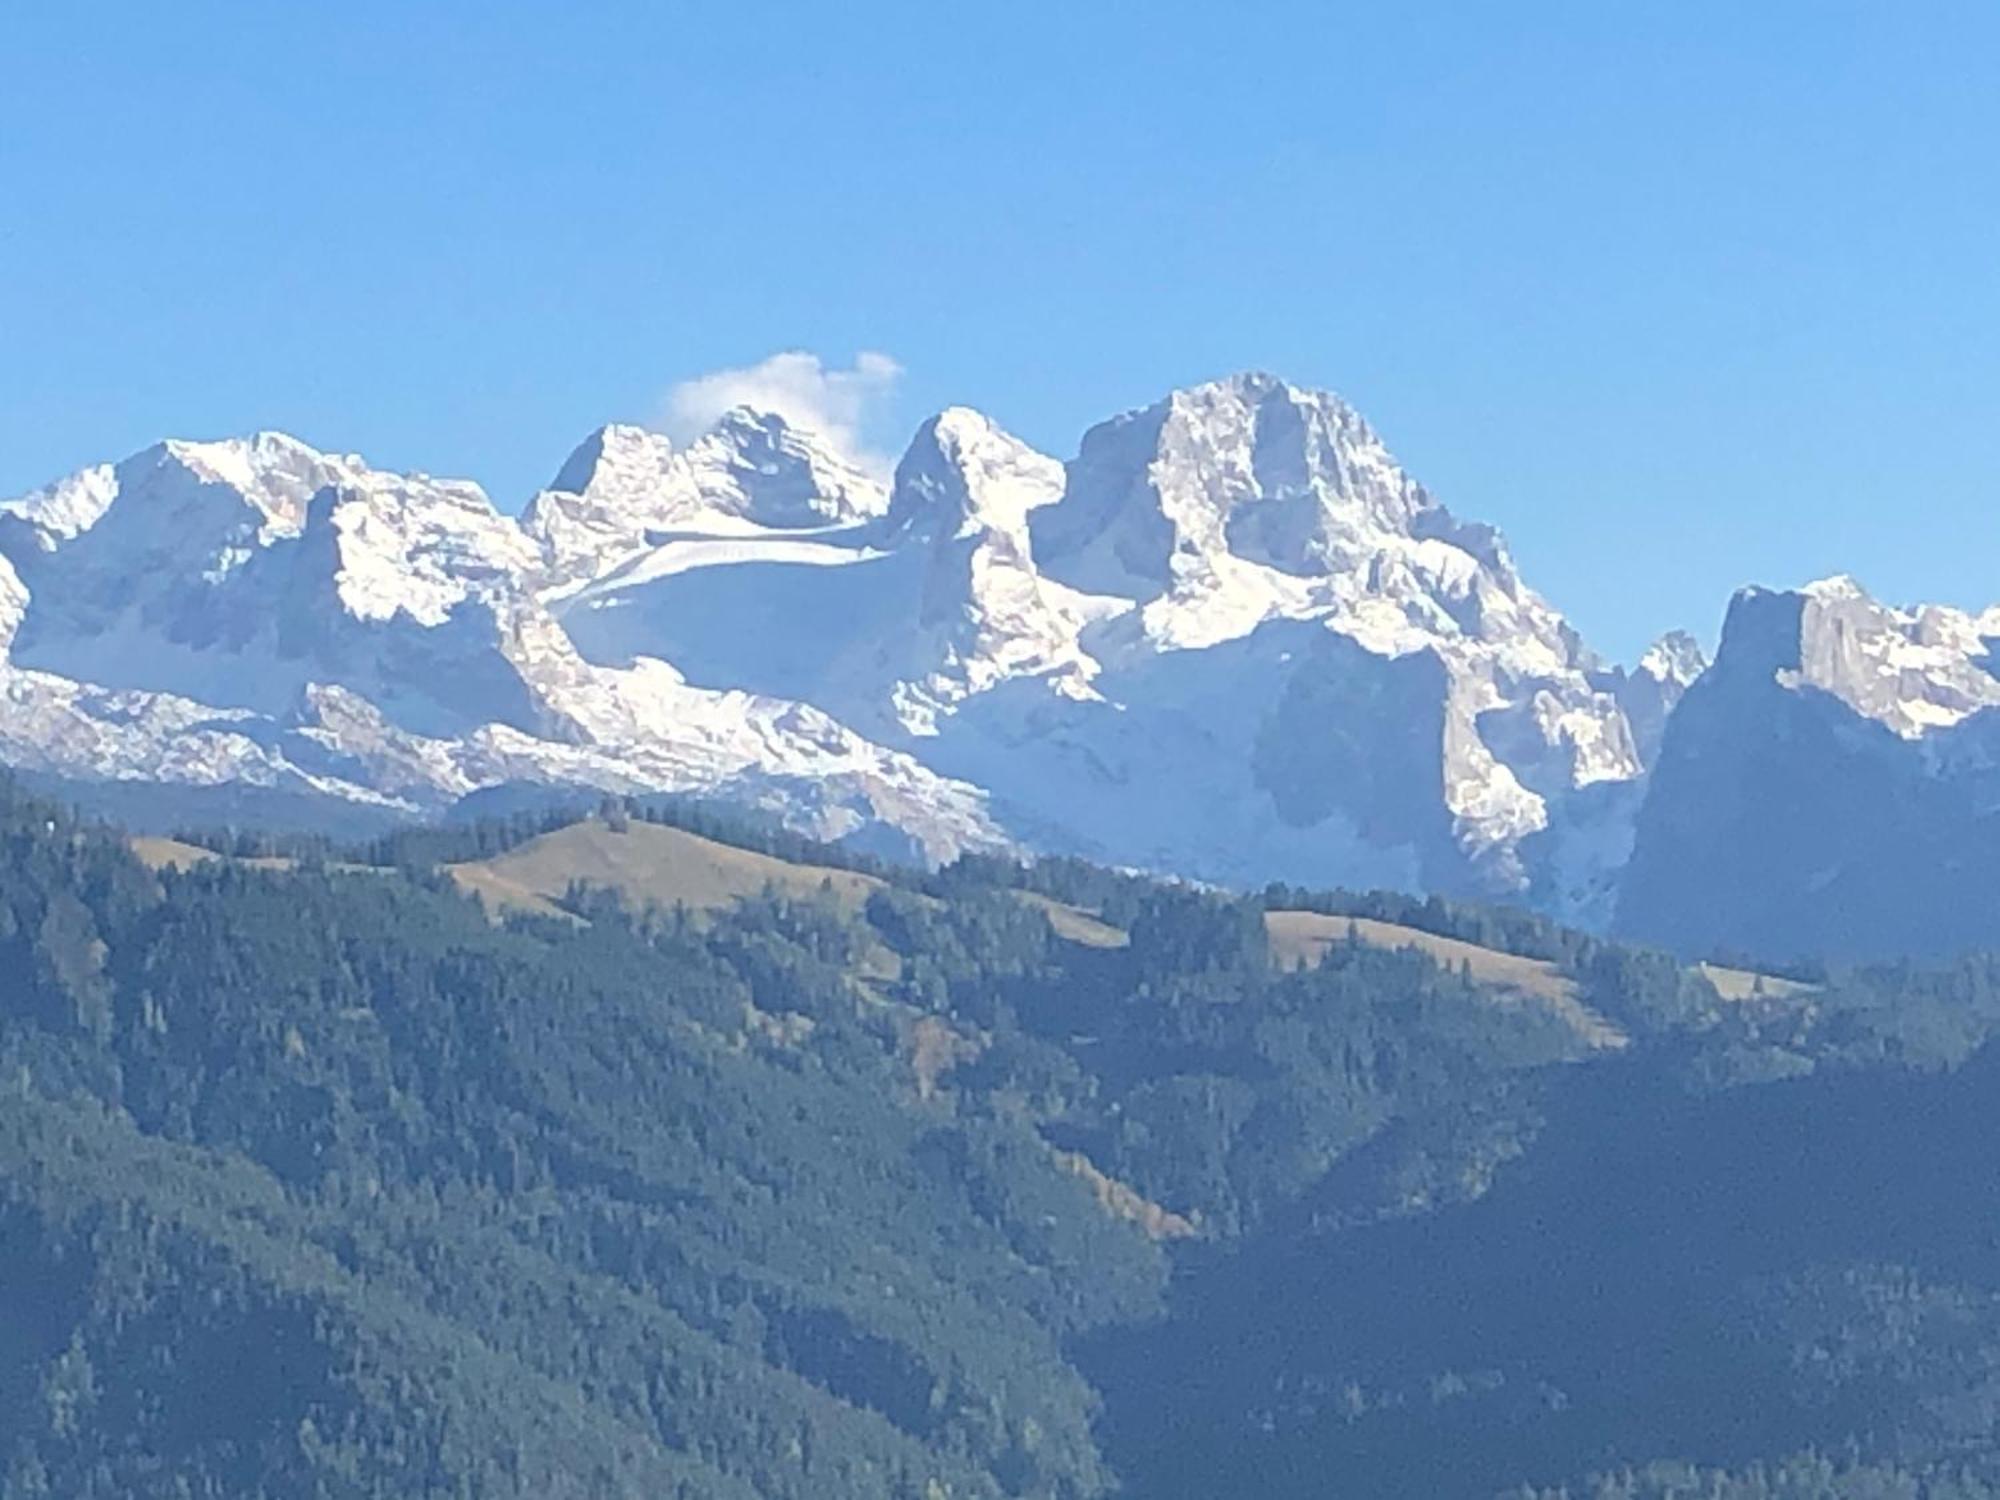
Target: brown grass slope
pixel 647 863
pixel 1300 938
pixel 174 854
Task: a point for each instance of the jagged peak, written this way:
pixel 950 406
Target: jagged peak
pixel 257 466
pixel 625 487
pixel 1259 437
pixel 965 426
pixel 1675 658
pixel 1247 466
pixel 757 423
pixel 264 462
pixel 1253 390
pixel 757 465
pixel 67 507
pixel 1840 590
pixel 264 447
pixel 631 434
pixel 963 471
pixel 760 437
pixel 184 514
pixel 617 455
pixel 1253 383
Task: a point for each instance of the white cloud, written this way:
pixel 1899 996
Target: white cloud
pixel 832 403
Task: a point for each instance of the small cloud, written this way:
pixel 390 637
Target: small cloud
pixel 831 403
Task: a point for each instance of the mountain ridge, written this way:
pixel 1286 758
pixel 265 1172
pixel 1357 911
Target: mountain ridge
pixel 1232 605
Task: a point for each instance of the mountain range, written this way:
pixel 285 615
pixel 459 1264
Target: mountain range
pixel 1231 639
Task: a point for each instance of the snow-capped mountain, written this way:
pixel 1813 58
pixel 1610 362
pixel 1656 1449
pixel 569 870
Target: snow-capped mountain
pixel 255 614
pixel 1655 685
pixel 1831 785
pixel 1230 638
pixel 239 573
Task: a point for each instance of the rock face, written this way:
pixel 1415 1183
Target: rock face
pixel 1830 786
pixel 1231 638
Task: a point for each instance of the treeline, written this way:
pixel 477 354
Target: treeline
pixel 1808 1476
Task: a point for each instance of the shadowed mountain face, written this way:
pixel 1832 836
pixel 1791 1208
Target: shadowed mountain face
pixel 1828 787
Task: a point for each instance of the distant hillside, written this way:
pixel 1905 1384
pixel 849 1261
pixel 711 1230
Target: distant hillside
pixel 754 1176
pixel 648 863
pixel 651 862
pixel 1304 937
pixel 160 853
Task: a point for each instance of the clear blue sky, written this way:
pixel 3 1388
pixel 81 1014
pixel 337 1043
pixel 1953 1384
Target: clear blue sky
pixel 1680 295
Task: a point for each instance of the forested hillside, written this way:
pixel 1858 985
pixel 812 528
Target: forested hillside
pixel 319 1176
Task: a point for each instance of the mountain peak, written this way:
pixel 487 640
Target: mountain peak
pixel 755 423
pixel 1911 670
pixel 1675 658
pixel 626 490
pixel 1835 587
pixel 617 457
pixel 275 471
pixel 1246 468
pixel 65 508
pixel 758 466
pixel 963 472
pixel 1255 390
pixel 220 455
pixel 1251 386
pixel 962 426
pixel 184 496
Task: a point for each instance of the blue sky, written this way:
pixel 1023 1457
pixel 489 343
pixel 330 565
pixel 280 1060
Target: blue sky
pixel 1680 295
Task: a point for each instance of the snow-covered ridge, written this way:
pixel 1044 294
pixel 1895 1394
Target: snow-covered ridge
pixel 1676 658
pixel 1232 637
pixel 71 505
pixel 625 487
pixel 255 613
